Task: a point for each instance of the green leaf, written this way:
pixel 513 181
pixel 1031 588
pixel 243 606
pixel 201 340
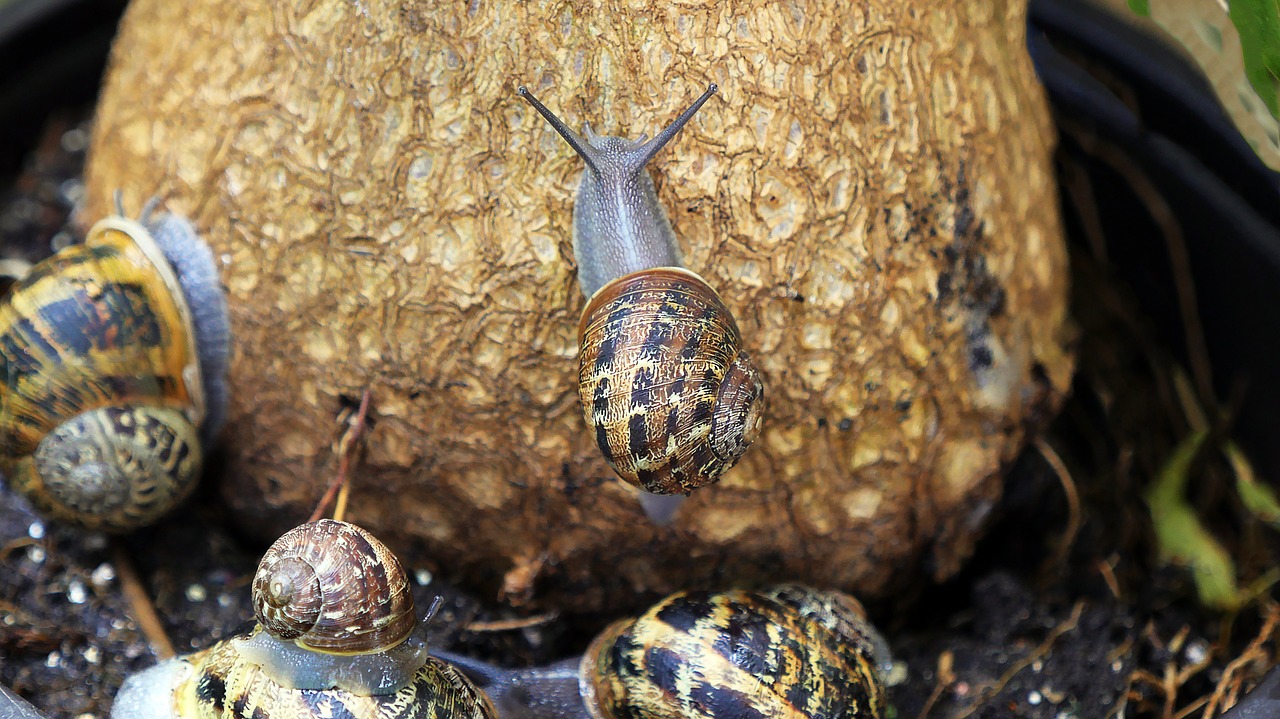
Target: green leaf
pixel 1257 497
pixel 1258 22
pixel 1181 536
pixel 1140 7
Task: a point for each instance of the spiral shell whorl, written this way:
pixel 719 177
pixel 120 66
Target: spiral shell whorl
pixel 113 468
pixel 728 654
pixel 663 380
pixel 333 587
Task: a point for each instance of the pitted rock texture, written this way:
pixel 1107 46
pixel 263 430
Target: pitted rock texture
pixel 870 193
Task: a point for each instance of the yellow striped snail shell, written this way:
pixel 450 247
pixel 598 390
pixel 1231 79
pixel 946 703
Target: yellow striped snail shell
pixel 664 382
pixel 113 356
pixel 376 667
pixel 789 651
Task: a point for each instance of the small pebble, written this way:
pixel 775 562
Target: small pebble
pixel 72 192
pixel 196 593
pixel 61 241
pixel 36 530
pixel 36 554
pixel 897 674
pixel 423 576
pixel 54 660
pixel 76 593
pixel 1034 698
pixel 92 655
pixel 103 575
pixel 1197 652
pixel 87 715
pixel 75 140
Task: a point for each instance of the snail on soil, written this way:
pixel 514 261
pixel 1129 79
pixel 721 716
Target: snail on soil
pixel 336 636
pixel 664 382
pixel 789 651
pixel 113 356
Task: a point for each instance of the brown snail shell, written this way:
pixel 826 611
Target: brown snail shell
pixel 333 587
pixel 664 382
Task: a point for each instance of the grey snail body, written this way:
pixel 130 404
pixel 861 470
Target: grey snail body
pixel 672 397
pixel 113 361
pixel 788 651
pixel 331 639
pixel 13 706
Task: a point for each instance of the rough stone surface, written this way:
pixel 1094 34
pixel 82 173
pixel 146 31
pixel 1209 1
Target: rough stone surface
pixel 871 193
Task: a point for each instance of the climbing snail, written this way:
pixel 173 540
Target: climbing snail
pixel 113 357
pixel 664 383
pixel 789 651
pixel 336 636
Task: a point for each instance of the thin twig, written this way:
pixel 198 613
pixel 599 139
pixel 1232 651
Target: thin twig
pixel 1073 502
pixel 144 611
pixel 1040 652
pixel 338 487
pixel 506 625
pixel 1108 573
pixel 1175 245
pixel 1252 653
pixel 946 677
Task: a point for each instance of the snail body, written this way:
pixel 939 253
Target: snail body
pixel 789 651
pixel 330 602
pixel 113 357
pixel 665 384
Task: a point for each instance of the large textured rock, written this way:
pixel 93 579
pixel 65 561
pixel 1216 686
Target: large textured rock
pixel 871 193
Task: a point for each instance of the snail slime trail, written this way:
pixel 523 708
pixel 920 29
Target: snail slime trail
pixel 115 356
pixel 665 385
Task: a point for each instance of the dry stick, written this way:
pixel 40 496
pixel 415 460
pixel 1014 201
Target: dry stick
pixel 504 625
pixel 353 432
pixel 1191 708
pixel 1109 577
pixel 1036 654
pixel 144 612
pixel 1172 679
pixel 1080 190
pixel 946 677
pixel 1251 653
pixel 1073 502
pixel 1175 244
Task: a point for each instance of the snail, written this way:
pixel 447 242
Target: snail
pixel 336 636
pixel 789 651
pixel 113 356
pixel 672 397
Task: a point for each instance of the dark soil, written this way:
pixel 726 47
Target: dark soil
pixel 1050 620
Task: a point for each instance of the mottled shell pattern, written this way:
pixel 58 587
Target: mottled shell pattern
pixel 222 686
pixel 704 655
pixel 333 587
pixel 101 394
pixel 664 382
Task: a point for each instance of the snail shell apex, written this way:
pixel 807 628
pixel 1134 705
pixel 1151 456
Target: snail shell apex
pixel 333 587
pixel 673 399
pixel 706 655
